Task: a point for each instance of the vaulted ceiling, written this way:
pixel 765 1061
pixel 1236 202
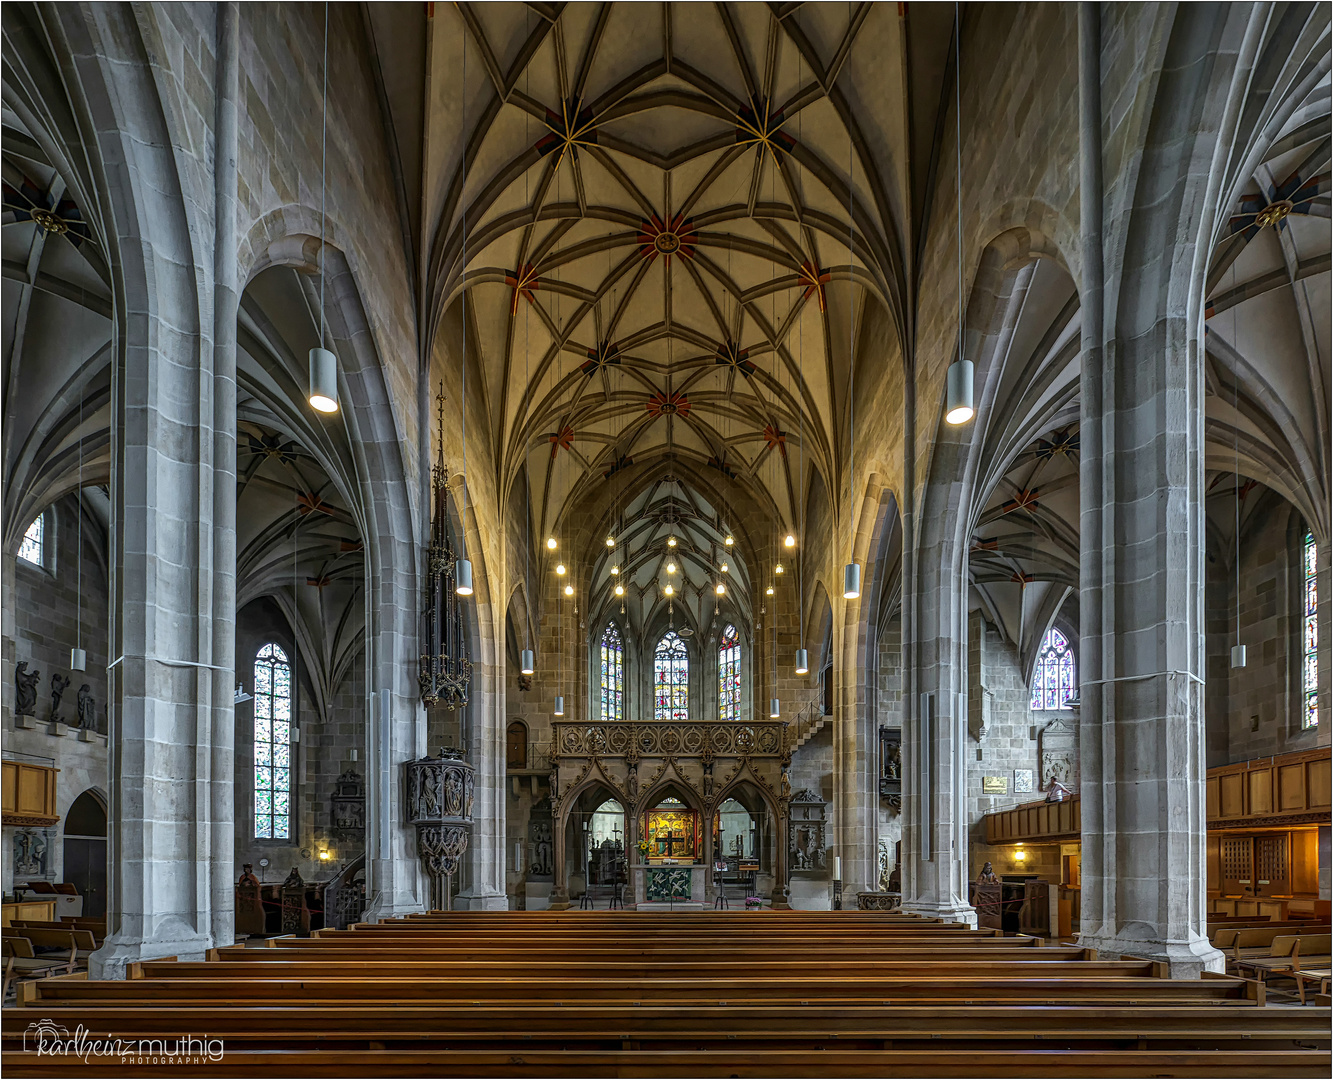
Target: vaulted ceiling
pixel 671 220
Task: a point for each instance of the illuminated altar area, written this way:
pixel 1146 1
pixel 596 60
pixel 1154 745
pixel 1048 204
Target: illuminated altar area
pixel 671 868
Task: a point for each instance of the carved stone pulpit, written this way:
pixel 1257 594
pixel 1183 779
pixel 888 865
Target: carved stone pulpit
pixel 439 803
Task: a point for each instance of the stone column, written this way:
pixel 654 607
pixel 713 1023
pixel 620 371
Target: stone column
pixel 1141 512
pixel 225 297
pixel 935 824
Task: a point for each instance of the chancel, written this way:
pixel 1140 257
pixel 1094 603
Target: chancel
pixel 525 521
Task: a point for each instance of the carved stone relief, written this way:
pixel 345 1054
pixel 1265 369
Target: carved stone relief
pixel 1059 755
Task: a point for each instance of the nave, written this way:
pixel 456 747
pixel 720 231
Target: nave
pixel 672 994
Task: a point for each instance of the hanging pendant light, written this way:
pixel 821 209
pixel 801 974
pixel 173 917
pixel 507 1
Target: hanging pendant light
pixel 773 709
pixel 463 578
pixel 78 657
pixel 721 589
pixel 729 540
pixel 620 589
pixel 323 380
pixel 559 705
pixel 1238 656
pixel 959 404
pixel 550 543
pixel 323 364
pixel 802 662
pixel 958 394
pixel 610 541
pixel 790 541
pixel 851 581
pixel 527 662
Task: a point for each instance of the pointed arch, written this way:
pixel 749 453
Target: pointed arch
pixel 671 678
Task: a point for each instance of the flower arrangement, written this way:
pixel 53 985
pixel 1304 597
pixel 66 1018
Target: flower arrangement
pixel 754 902
pixel 643 848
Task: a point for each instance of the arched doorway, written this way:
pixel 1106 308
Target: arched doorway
pixel 743 844
pixel 595 839
pixel 85 851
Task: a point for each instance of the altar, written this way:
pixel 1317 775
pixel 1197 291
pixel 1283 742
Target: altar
pixel 679 885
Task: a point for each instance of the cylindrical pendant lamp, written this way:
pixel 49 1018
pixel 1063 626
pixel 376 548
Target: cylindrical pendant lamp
pixel 527 664
pixel 773 708
pixel 463 578
pixel 559 705
pixel 802 662
pixel 323 381
pixel 1238 656
pixel 958 395
pixel 851 581
pixel 78 660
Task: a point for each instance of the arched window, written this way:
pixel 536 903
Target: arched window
pixel 1053 681
pixel 671 679
pixel 729 675
pixel 273 748
pixel 613 674
pixel 33 548
pixel 1310 635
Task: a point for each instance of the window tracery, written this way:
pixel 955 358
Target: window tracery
pixel 1054 680
pixel 273 717
pixel 671 679
pixel 729 675
pixel 613 674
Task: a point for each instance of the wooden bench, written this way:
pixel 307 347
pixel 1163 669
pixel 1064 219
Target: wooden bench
pixel 22 962
pixel 1259 944
pixel 57 938
pixel 1284 954
pixel 828 1061
pixel 97 930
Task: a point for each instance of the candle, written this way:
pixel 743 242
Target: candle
pixel 837 867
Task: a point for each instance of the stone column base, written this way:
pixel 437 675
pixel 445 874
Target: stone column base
pixel 119 951
pixel 1184 959
pixel 481 901
pixel 949 912
pixel 559 900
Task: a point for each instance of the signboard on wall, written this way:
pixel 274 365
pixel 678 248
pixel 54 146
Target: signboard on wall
pixel 995 785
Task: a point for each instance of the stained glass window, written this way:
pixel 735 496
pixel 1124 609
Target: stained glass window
pixel 729 675
pixel 31 548
pixel 1310 636
pixel 273 747
pixel 613 674
pixel 1053 681
pixel 671 679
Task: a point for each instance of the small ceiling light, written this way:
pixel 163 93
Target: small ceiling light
pixel 724 567
pixel 463 578
pixel 768 591
pixel 729 540
pixel 559 705
pixel 620 589
pixel 324 856
pixel 671 541
pixel 778 569
pixel 323 381
pixel 802 662
pixel 851 581
pixel 671 568
pixel 550 543
pixel 527 663
pixel 790 541
pixel 615 570
pixel 773 710
pixel 610 541
pixel 560 570
pixel 958 396
pixel 721 589
pixel 669 591
pixel 569 590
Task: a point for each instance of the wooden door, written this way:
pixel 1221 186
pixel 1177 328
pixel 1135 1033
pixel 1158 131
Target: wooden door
pixel 1272 864
pixel 85 868
pixel 516 746
pixel 1238 865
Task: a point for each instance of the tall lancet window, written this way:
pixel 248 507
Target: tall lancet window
pixel 1310 635
pixel 613 674
pixel 33 547
pixel 273 748
pixel 671 679
pixel 729 675
pixel 1054 681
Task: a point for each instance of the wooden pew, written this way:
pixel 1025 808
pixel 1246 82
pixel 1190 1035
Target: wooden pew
pixel 57 938
pixel 1284 953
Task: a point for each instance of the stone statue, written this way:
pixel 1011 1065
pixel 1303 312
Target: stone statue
pixel 248 875
pixel 294 880
pixel 987 876
pixel 25 684
pixel 87 708
pixel 894 765
pixel 29 854
pixel 525 682
pixel 59 683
